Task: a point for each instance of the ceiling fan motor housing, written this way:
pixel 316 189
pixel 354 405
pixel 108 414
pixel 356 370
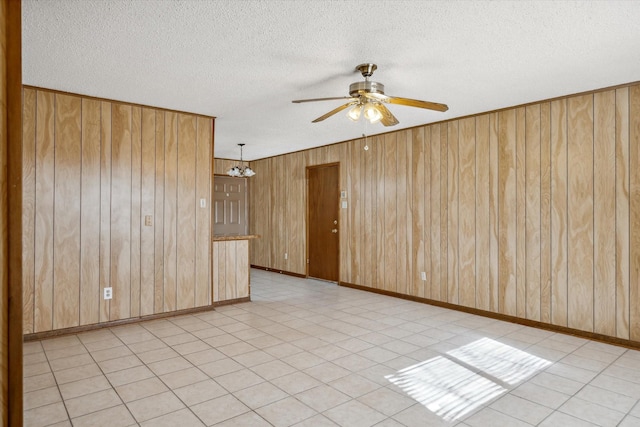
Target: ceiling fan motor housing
pixel 359 88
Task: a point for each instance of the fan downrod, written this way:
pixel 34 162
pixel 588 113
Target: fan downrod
pixel 367 69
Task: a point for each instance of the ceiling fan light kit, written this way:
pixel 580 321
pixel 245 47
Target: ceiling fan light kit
pixel 240 170
pixel 367 99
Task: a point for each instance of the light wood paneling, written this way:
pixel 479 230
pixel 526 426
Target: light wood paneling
pixel 604 213
pixel 453 194
pixel 159 229
pixel 559 214
pixel 105 207
pixel 622 213
pixel 90 212
pixel 121 190
pixel 634 212
pixel 532 212
pixel 528 212
pixel 230 270
pixel 436 176
pixel 170 211
pixel 97 170
pixel 521 213
pixel 147 208
pixel 186 245
pixel 136 206
pixel 203 157
pixel 44 196
pixel 507 212
pixel 390 225
pixel 494 209
pixel 404 270
pixel 482 213
pixel 580 209
pixel 66 212
pixel 28 207
pixel 545 212
pixel 467 212
pixel 418 154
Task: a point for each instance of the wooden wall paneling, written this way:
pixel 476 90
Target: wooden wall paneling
pixel 121 188
pixel 147 209
pixel 420 211
pixel 215 295
pixel 380 150
pixel 105 207
pixel 402 237
pixel 261 218
pixel 368 232
pixel 45 180
pixel 136 206
pixel 203 156
pixel 339 152
pixel 532 212
pixel 482 192
pixel 170 210
pixel 444 212
pixel 559 214
pixel 545 212
pixel 231 273
pixel 521 214
pixel 622 213
pixel 467 212
pixel 507 212
pixel 435 239
pixel 634 209
pixel 494 209
pixel 186 250
pixel 159 217
pixel 66 217
pixel 390 225
pixel 453 218
pixel 28 208
pixel 219 271
pixel 580 208
pixel 275 204
pixel 354 202
pixel 242 273
pixel 604 212
pixel 297 215
pixel 90 213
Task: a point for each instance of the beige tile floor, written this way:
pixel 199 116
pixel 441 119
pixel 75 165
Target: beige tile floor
pixel 310 353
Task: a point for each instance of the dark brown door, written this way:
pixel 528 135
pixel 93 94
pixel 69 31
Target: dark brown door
pixel 323 244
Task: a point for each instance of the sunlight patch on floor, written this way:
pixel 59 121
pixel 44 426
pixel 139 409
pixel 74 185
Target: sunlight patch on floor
pixel 449 387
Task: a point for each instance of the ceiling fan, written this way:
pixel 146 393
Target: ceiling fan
pixel 367 99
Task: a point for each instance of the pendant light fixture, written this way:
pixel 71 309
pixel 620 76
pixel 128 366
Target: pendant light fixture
pixel 241 170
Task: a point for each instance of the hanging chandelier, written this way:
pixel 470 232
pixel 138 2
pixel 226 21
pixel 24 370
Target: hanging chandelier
pixel 241 170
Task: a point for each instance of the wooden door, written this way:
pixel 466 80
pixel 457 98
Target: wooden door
pixel 323 227
pixel 230 206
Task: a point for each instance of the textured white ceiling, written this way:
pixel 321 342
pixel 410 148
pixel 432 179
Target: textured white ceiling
pixel 244 61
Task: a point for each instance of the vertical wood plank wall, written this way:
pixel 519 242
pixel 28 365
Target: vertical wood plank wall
pixel 531 212
pixel 93 170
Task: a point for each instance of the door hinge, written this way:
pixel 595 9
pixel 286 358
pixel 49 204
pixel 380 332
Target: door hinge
pixel 307 260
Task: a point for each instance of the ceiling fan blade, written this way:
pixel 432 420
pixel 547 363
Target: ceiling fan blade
pixel 387 119
pixel 417 103
pixel 298 101
pixel 334 111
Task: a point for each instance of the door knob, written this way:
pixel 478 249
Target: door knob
pixel 335 222
pixel 335 230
